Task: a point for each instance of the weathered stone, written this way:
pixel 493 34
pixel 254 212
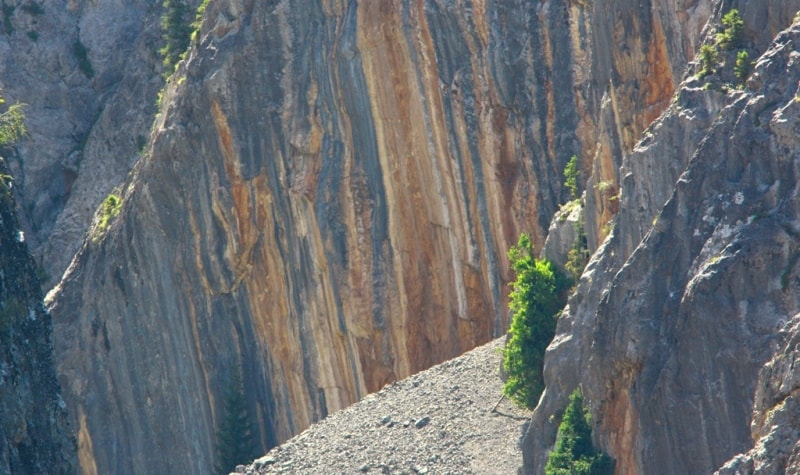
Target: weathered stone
pixel 686 301
pixel 34 435
pixel 328 197
pixel 563 233
pixel 422 422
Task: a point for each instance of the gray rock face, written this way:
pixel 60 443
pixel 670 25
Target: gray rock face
pixel 563 233
pixel 89 72
pixel 34 434
pixel 694 291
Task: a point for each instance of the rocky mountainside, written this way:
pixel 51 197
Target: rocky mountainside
pixel 89 72
pixel 35 437
pixel 682 329
pixel 326 202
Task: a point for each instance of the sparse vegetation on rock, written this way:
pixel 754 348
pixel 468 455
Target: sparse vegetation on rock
pixel 538 294
pixel 176 32
pixel 12 123
pixel 731 36
pixel 574 453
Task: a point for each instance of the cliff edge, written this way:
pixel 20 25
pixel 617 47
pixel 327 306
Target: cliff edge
pixel 680 330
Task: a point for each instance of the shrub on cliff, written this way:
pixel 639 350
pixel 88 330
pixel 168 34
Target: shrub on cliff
pixel 176 32
pixel 574 454
pixel 236 439
pixel 571 177
pixel 538 294
pixel 12 125
pixel 731 36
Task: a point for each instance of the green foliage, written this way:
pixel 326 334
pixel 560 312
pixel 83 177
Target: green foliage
pixel 538 294
pixel 8 11
pixel 34 35
pixel 574 454
pixel 578 256
pixel 731 36
pixel 82 55
pixel 198 20
pixel 742 67
pixel 236 441
pixel 109 210
pixel 571 172
pixel 708 60
pixel 175 31
pixel 12 123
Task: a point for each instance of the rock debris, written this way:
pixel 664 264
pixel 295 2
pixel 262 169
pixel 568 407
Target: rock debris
pixel 445 420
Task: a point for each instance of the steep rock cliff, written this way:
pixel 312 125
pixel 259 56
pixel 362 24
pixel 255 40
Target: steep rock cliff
pixel 89 72
pixel 34 434
pixel 694 291
pixel 327 199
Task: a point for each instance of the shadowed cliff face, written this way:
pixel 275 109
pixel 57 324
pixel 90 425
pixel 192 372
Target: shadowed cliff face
pixel 327 201
pixel 34 433
pixel 693 295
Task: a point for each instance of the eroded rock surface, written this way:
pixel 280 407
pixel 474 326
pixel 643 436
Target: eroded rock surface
pixel 694 292
pixel 35 437
pixel 328 199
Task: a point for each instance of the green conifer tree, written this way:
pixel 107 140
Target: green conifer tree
pixel 538 294
pixel 574 453
pixel 236 439
pixel 176 31
pixel 12 125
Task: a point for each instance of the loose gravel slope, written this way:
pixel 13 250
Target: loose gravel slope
pixel 445 420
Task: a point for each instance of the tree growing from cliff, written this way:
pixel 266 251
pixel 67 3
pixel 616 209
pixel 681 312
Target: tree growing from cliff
pixel 537 295
pixel 12 123
pixel 176 31
pixel 236 440
pixel 571 177
pixel 733 32
pixel 574 453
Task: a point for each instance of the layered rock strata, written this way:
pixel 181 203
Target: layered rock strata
pixel 327 199
pixel 695 290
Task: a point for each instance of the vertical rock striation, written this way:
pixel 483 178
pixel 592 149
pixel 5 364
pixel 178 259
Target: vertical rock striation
pixel 694 291
pixel 327 202
pixel 34 434
pixel 328 195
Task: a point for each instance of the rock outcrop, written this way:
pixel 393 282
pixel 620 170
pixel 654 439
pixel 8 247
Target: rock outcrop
pixel 695 292
pixel 327 199
pixel 89 72
pixel 34 434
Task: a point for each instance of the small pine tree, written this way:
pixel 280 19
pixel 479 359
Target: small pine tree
pixel 708 60
pixel 731 36
pixel 574 453
pixel 578 256
pixel 236 440
pixel 742 67
pixel 12 123
pixel 176 31
pixel 571 177
pixel 538 294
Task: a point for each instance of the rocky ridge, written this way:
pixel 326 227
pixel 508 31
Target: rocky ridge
pixel 327 201
pixel 694 293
